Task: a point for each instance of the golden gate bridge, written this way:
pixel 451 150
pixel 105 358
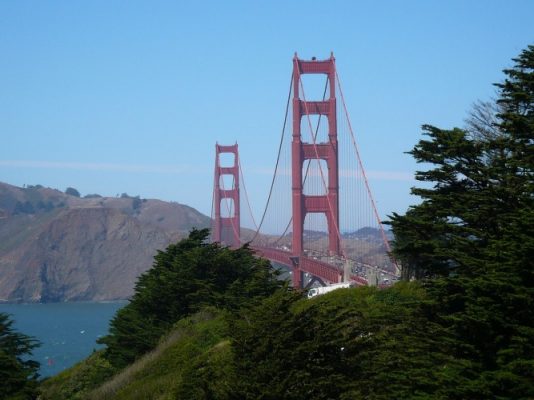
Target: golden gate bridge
pixel 320 219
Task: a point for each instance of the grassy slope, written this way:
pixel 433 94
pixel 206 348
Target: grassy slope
pixel 194 354
pixel 74 383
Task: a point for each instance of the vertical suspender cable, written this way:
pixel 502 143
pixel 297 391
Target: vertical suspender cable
pixel 277 160
pixel 246 196
pixel 384 237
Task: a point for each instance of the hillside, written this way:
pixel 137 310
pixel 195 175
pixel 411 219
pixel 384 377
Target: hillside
pixel 60 247
pixel 196 342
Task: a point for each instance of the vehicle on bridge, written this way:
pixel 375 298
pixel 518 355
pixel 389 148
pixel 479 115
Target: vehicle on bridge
pixel 317 291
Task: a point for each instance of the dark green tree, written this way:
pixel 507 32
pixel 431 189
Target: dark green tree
pixel 473 231
pixel 18 375
pixel 24 208
pixel 481 182
pixel 136 203
pixel 186 277
pixel 72 191
pixel 447 231
pixel 361 343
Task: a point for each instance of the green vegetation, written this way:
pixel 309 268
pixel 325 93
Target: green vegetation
pixel 472 237
pixel 194 357
pixel 175 325
pixel 207 322
pixel 75 382
pixel 193 344
pixel 361 343
pixel 72 192
pixel 481 201
pixel 18 376
pixel 136 203
pixel 187 277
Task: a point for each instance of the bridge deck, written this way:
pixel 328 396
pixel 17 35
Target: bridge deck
pixel 328 273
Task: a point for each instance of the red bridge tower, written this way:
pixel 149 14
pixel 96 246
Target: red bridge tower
pixel 227 228
pixel 328 203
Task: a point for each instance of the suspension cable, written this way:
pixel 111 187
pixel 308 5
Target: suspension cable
pixel 382 231
pixel 277 159
pixel 213 223
pixel 307 167
pixel 246 196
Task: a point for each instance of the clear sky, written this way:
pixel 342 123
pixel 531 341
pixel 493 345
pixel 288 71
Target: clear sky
pixel 131 96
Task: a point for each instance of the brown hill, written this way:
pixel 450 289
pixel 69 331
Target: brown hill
pixel 59 247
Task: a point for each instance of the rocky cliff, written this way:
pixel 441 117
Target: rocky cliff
pixel 60 247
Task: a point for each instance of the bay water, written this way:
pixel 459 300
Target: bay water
pixel 67 331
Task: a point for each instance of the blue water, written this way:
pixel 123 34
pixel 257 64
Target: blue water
pixel 67 331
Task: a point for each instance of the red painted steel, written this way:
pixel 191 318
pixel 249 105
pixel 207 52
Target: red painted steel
pixel 327 204
pixel 231 223
pixel 328 273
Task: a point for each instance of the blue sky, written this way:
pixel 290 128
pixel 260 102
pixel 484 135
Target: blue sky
pixel 130 96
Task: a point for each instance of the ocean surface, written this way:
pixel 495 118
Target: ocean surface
pixel 67 331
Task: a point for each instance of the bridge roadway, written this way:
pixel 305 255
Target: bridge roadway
pixel 328 273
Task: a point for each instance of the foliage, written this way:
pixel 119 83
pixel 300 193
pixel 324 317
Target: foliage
pixel 136 203
pixel 185 278
pixel 482 186
pixel 23 208
pixel 491 324
pixel 482 122
pixel 72 192
pixel 18 375
pixel 75 382
pixel 28 207
pixel 474 233
pixel 360 343
pixel 193 361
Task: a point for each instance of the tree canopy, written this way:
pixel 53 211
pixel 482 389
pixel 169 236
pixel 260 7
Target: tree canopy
pixel 361 343
pixel 18 375
pixel 186 277
pixel 482 195
pixel 473 234
pixel 72 191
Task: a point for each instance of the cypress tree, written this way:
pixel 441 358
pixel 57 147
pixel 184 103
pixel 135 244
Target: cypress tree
pixel 18 375
pixel 474 233
pixel 186 277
